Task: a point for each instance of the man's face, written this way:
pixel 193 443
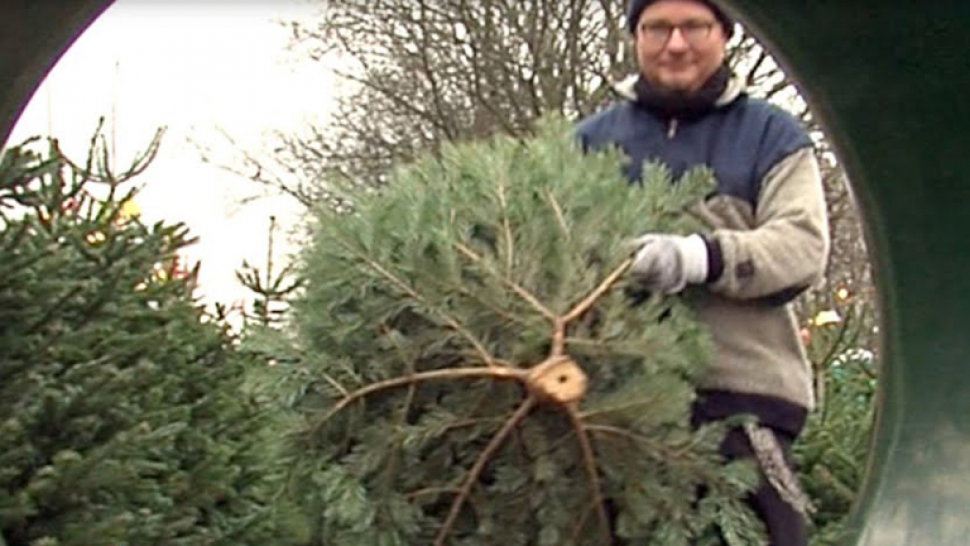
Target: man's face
pixel 679 44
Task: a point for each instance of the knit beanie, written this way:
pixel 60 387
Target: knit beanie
pixel 637 6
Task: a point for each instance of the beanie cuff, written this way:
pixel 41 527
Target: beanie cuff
pixel 636 7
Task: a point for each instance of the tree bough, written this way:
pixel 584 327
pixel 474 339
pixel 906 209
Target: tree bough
pixel 489 284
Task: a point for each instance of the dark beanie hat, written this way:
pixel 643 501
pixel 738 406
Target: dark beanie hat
pixel 637 7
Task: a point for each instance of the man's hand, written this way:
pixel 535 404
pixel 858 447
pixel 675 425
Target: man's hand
pixel 666 263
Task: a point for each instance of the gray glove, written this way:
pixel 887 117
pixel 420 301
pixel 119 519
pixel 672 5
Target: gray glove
pixel 666 263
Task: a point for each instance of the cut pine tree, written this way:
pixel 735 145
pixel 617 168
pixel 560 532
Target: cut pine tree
pixel 474 371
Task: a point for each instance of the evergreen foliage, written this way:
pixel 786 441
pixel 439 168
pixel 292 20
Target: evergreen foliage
pixel 121 415
pixel 469 369
pixel 832 452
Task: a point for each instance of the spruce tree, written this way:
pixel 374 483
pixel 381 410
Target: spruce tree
pixel 471 365
pixel 122 415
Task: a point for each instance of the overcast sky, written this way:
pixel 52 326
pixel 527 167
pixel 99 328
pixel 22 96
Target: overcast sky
pixel 194 67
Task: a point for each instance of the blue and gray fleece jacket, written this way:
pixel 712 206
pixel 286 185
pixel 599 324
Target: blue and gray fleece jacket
pixel 767 228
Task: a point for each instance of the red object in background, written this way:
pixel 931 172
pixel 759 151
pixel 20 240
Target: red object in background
pixel 70 206
pixel 178 269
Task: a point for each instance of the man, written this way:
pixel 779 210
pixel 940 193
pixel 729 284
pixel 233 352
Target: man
pixel 767 239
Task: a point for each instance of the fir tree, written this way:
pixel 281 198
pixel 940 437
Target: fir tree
pixel 469 368
pixel 122 417
pixel 271 288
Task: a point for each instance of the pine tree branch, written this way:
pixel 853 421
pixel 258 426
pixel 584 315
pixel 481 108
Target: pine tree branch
pixel 334 383
pixel 560 218
pixel 390 468
pixel 509 246
pixel 654 449
pixel 493 308
pixel 638 439
pixel 559 336
pixel 522 292
pixel 471 423
pixel 431 491
pixel 604 287
pixel 659 452
pixel 449 320
pixel 406 380
pixel 483 458
pixel 613 409
pixel 639 345
pixel 495 363
pixel 592 475
pixel 560 323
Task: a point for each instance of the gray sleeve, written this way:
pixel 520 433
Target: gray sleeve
pixel 783 249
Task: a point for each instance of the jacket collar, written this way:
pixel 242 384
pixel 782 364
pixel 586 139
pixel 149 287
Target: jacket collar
pixel 736 87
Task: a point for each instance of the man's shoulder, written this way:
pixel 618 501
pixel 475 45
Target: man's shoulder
pixel 770 132
pixel 778 122
pixel 600 125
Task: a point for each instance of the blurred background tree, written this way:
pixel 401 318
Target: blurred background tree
pixel 122 410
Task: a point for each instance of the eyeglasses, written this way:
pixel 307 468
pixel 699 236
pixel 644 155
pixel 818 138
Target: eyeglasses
pixel 658 33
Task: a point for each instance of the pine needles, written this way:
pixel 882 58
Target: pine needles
pixel 483 376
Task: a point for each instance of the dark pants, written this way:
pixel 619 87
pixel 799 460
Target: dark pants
pixel 786 526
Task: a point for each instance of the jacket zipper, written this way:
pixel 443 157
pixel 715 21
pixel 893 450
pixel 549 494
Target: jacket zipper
pixel 672 128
